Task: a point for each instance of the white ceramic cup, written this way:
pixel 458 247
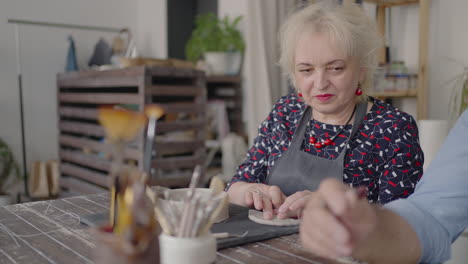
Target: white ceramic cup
pixel 183 250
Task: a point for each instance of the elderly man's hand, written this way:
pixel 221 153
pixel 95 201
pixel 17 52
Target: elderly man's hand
pixel 336 220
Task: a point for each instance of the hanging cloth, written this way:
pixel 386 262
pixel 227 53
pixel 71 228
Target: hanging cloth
pixel 102 54
pixel 71 64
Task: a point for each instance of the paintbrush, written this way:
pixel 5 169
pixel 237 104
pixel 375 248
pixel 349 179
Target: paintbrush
pixel 120 126
pixel 219 201
pixel 162 218
pixel 153 113
pixel 191 191
pixel 115 192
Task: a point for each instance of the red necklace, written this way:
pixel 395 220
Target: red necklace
pixel 329 141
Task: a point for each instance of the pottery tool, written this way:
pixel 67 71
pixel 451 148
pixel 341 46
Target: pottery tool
pixel 205 214
pixel 167 220
pixel 215 207
pixel 190 212
pixel 217 185
pixel 123 213
pixel 226 234
pixel 143 223
pixel 153 112
pixel 195 213
pixel 222 200
pixel 120 126
pixel 163 221
pixel 183 226
pixel 115 192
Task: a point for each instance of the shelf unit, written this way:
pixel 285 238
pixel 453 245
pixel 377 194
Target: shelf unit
pixel 179 144
pixel 421 90
pixel 229 89
pixel 402 94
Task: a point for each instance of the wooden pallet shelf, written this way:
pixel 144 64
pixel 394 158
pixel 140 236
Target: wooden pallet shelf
pixel 233 98
pixel 181 134
pixel 390 3
pixel 423 38
pixel 409 93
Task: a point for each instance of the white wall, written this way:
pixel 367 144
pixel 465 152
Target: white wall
pixel 151 27
pixel 43 54
pixel 448 39
pixel 233 9
pixel 403 42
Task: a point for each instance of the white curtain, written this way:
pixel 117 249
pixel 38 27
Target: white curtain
pixel 264 80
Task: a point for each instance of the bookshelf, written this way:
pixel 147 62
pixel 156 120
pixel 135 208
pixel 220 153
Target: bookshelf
pixel 420 93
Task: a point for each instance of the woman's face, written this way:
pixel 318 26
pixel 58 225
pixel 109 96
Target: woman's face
pixel 325 76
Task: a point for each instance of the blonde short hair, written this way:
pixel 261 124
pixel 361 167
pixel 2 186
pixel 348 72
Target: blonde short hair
pixel 347 25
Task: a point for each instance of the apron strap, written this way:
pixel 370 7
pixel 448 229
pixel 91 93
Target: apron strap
pixel 361 111
pixel 360 114
pixel 301 128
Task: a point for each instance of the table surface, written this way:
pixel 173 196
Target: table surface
pixel 50 232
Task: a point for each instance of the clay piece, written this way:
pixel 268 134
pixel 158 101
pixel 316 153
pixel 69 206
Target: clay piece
pixel 257 216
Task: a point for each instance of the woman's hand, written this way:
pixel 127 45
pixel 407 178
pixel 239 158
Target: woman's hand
pixel 294 204
pixel 257 195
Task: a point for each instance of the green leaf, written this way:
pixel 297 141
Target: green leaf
pixel 213 34
pixel 9 169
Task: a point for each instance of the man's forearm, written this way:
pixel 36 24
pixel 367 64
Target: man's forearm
pixel 393 241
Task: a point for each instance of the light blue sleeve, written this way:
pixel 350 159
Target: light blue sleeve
pixel 438 209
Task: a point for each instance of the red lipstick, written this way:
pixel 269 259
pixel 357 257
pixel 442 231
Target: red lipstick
pixel 324 97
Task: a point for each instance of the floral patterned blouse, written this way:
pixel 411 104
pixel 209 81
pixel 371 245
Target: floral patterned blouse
pixel 384 155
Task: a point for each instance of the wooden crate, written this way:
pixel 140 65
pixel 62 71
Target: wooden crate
pixel 180 142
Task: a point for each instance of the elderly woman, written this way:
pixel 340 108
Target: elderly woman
pixel 329 128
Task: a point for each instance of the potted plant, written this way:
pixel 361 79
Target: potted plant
pixel 218 42
pixel 9 172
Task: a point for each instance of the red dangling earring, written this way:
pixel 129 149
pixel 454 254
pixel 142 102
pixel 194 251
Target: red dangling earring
pixel 300 94
pixel 358 90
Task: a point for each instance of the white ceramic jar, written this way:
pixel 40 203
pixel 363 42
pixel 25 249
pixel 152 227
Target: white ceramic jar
pixel 183 250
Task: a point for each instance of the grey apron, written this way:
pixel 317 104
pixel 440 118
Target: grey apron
pixel 297 170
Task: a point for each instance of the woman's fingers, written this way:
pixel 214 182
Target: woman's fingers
pixel 267 208
pixel 248 198
pixel 287 203
pixel 299 204
pixel 263 202
pixel 294 204
pixel 284 211
pixel 257 199
pixel 277 196
pixel 264 197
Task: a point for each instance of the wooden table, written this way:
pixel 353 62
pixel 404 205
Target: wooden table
pixel 51 232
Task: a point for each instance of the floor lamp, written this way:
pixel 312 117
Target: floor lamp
pixel 16 24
